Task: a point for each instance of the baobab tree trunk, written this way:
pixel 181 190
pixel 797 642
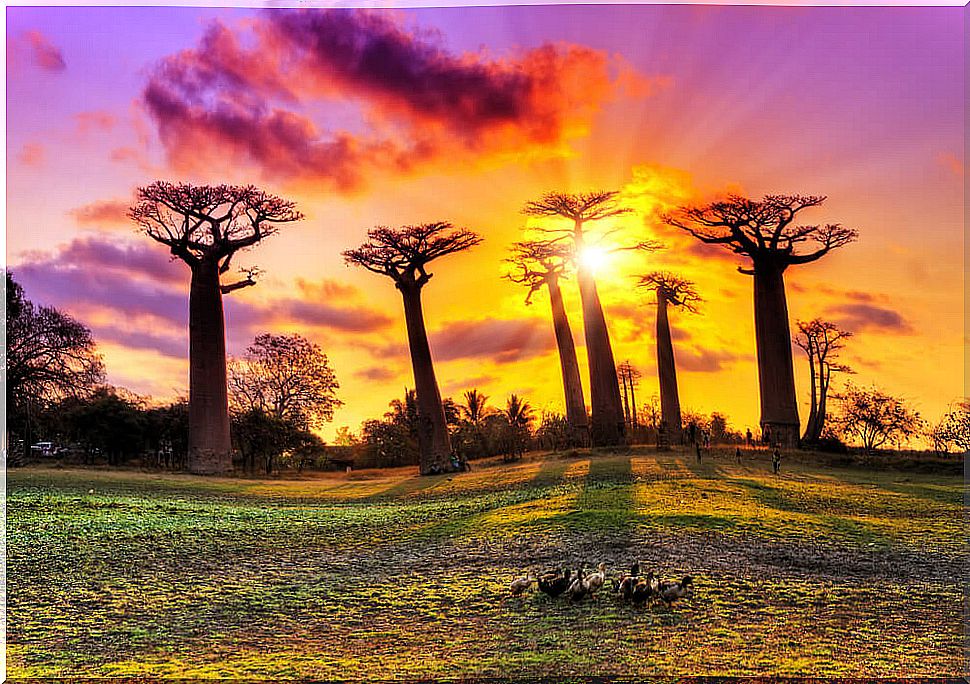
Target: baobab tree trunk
pixel 776 375
pixel 607 424
pixel 667 374
pixel 210 449
pixel 571 379
pixel 433 441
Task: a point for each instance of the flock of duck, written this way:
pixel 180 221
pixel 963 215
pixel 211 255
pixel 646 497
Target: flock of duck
pixel 632 587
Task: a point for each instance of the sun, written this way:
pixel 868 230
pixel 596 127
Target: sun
pixel 593 257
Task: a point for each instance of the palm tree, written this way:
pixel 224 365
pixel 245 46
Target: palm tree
pixel 518 414
pixel 476 408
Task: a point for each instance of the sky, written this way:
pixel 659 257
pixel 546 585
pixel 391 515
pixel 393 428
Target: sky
pixel 393 117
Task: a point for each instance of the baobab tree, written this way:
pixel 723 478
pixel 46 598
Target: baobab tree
pixel 764 231
pixel 607 423
pixel 542 264
pixel 671 290
pixel 205 226
pixel 821 341
pixel 403 255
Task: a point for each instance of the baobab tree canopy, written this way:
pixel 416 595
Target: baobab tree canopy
pixel 675 290
pixel 403 254
pixel 763 229
pixel 584 206
pixel 210 222
pixel 534 262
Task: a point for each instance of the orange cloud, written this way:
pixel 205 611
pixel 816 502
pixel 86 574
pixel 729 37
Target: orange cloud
pixel 422 104
pixel 94 120
pixel 952 163
pixel 111 212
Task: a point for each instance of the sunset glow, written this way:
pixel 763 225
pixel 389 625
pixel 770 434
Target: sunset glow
pixel 472 113
pixel 594 258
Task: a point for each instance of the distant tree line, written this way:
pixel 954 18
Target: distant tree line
pixel 475 430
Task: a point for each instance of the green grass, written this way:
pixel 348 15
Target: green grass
pixel 387 575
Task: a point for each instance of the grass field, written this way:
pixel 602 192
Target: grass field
pixel 831 572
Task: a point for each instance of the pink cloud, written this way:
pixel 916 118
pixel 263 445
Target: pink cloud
pixel 32 154
pixel 94 121
pixel 33 47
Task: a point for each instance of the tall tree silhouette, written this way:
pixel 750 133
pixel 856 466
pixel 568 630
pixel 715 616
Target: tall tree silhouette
pixel 607 422
pixel 821 341
pixel 629 379
pixel 205 226
pixel 764 231
pixel 542 264
pixel 403 255
pixel 671 290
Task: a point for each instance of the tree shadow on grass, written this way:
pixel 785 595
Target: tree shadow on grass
pixel 706 469
pixel 606 503
pixel 550 473
pixel 416 485
pixel 781 500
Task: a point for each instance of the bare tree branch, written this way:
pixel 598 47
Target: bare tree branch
pixel 402 254
pixel 209 222
pixel 676 290
pixel 761 229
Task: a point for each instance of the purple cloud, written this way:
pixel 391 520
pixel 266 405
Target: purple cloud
pixel 706 360
pixel 861 316
pixel 113 280
pixel 503 341
pixel 376 374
